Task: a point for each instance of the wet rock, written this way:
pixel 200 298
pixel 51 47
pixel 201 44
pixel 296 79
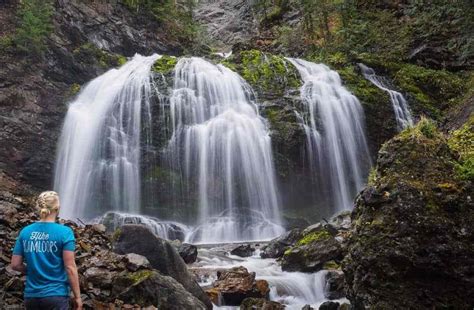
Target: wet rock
pixel 334 288
pixel 136 262
pixel 291 223
pixel 329 305
pixel 98 276
pixel 161 255
pixel 188 252
pixel 244 250
pixel 413 234
pixel 234 285
pixel 261 304
pixel 311 252
pixel 277 247
pixel 105 277
pixel 307 307
pixel 151 288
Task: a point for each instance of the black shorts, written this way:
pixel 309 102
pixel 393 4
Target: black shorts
pixel 47 303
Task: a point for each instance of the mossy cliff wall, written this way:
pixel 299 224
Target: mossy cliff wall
pixel 411 247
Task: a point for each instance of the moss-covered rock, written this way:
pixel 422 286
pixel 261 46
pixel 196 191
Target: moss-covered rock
pixel 413 228
pixel 462 142
pixel 89 54
pixel 165 65
pixel 312 251
pixel 267 73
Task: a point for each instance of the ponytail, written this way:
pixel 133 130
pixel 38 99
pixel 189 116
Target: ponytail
pixel 47 203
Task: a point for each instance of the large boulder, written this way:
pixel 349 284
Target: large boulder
pixel 151 288
pixel 161 255
pixel 277 247
pixel 413 238
pixel 234 285
pixel 316 247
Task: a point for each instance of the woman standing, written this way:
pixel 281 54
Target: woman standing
pixel 47 248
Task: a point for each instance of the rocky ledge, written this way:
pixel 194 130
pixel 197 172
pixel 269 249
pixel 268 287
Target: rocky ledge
pixel 107 279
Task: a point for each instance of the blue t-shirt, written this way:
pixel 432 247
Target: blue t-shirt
pixel 42 244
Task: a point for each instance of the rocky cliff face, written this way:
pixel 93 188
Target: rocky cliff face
pixel 87 39
pixel 412 242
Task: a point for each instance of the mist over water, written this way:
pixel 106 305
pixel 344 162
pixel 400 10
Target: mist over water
pixel 333 121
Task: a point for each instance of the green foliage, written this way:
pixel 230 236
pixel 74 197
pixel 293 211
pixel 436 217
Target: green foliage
pixel 175 17
pixel 423 130
pixel 462 142
pixel 432 88
pixel 267 72
pixel 272 10
pixel 92 55
pixel 34 26
pixel 6 43
pixel 165 64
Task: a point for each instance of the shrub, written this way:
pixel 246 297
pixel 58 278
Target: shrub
pixel 34 26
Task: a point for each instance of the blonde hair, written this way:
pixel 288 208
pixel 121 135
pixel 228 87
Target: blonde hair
pixel 47 203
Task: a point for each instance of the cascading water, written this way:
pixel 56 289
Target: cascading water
pixel 399 103
pixel 98 161
pixel 165 229
pixel 222 149
pixel 333 120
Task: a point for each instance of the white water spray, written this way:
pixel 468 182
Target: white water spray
pixel 333 120
pixel 98 161
pixel 399 103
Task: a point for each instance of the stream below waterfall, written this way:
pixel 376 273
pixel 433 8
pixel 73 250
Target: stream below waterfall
pixel 292 289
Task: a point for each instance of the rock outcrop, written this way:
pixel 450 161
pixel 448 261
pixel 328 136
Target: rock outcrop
pixel 411 247
pixel 161 254
pixel 234 285
pixel 107 279
pixel 277 247
pixel 316 247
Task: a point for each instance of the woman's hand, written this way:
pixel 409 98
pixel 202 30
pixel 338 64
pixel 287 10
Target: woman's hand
pixel 78 303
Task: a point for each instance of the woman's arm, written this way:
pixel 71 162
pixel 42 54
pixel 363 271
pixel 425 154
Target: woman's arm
pixel 71 269
pixel 17 263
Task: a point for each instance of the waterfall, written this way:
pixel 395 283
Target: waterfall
pixel 333 120
pixel 400 105
pixel 221 147
pixel 98 160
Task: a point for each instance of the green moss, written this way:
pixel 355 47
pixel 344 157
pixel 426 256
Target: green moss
pixel 287 252
pixel 424 128
pixel 139 276
pixel 461 141
pixel 165 64
pixel 74 89
pixel 314 236
pixel 372 176
pixel 92 55
pixel 116 234
pixel 433 89
pixel 121 60
pixel 266 72
pixel 331 265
